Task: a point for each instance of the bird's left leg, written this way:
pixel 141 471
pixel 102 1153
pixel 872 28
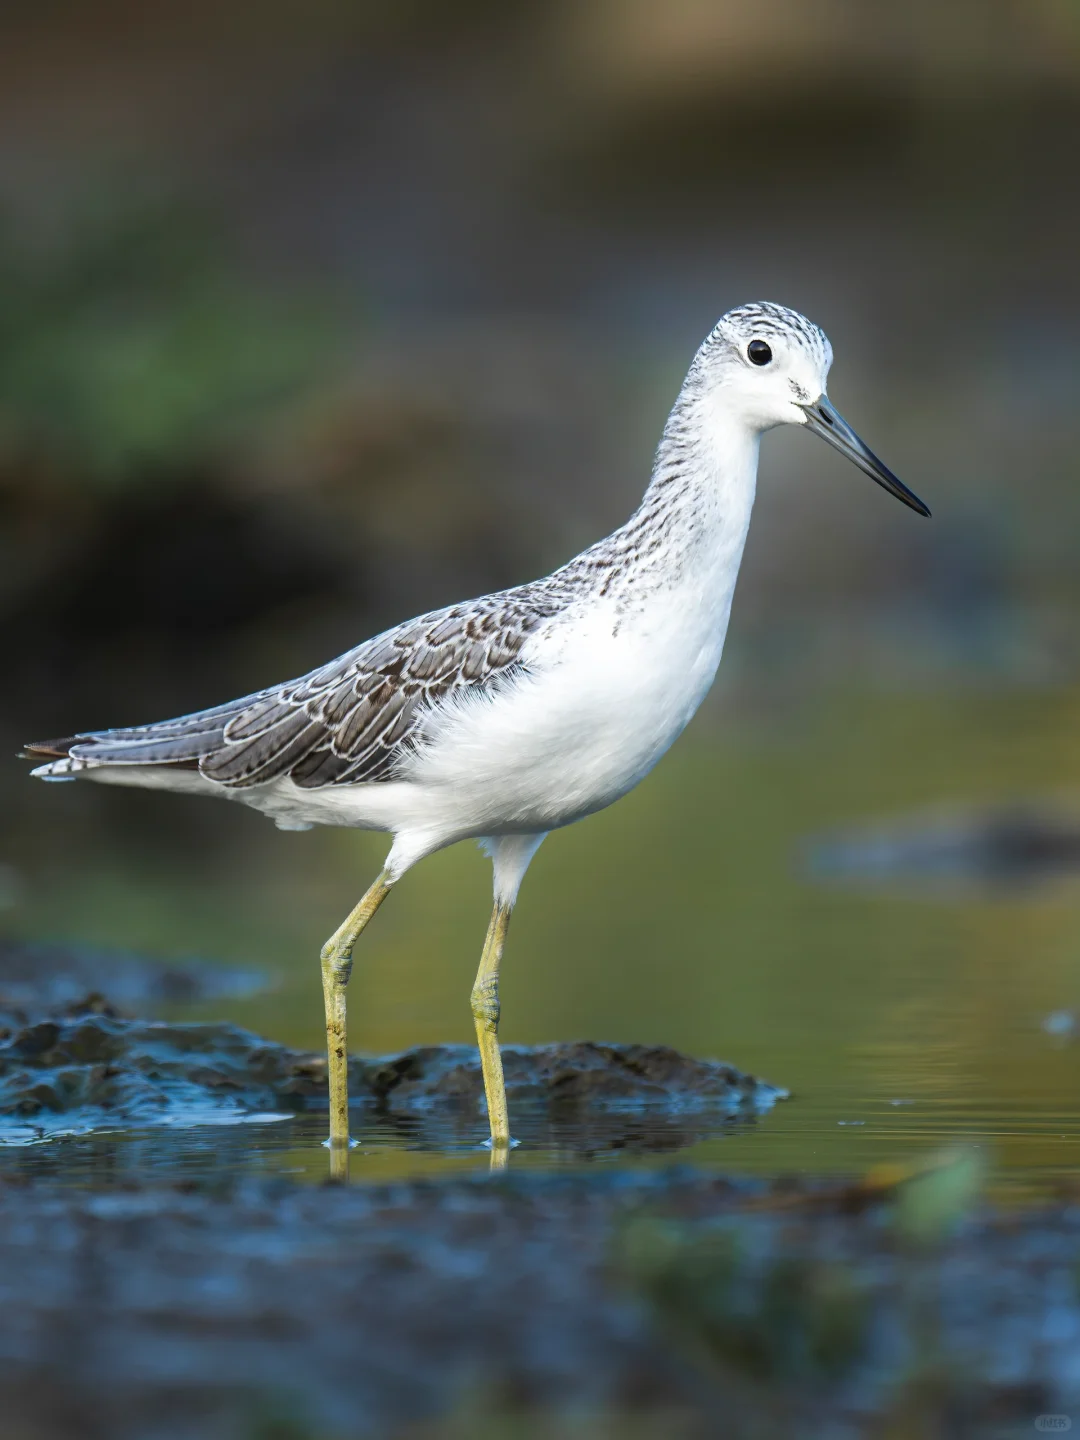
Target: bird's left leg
pixel 337 956
pixel 510 855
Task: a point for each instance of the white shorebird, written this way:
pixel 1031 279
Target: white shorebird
pixel 505 717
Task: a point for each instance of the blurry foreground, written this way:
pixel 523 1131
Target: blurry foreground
pixel 525 1309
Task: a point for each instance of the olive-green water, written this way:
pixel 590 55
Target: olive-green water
pixel 899 1017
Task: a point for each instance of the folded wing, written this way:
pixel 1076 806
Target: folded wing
pixel 350 721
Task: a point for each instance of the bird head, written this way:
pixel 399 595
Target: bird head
pixel 771 366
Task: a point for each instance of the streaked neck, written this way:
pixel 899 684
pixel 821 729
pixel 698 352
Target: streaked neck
pixel 704 477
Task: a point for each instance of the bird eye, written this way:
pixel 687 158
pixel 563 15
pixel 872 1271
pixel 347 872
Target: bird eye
pixel 758 353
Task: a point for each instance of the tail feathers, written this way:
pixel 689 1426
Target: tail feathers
pixel 183 741
pixel 167 748
pixel 53 749
pixel 198 722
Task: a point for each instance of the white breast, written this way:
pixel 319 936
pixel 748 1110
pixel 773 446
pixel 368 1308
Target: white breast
pixel 603 699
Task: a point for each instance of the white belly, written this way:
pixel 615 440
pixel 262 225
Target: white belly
pixel 594 714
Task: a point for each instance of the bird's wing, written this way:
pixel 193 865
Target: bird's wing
pixel 352 720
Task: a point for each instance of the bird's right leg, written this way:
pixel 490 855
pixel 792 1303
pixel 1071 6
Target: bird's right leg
pixel 337 956
pixel 485 1009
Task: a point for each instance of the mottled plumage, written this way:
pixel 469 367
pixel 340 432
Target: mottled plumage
pixel 350 720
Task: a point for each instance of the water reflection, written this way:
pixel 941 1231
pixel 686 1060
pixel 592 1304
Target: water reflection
pixel 384 1147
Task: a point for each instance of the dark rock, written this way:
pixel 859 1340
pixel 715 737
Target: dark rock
pixel 35 1039
pixel 570 1077
pixel 88 1066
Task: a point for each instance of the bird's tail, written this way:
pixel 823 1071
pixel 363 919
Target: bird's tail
pixel 60 765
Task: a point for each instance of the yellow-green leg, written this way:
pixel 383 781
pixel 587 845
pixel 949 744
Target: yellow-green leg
pixel 337 957
pixel 485 1009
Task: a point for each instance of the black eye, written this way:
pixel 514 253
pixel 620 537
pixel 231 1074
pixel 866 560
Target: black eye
pixel 758 353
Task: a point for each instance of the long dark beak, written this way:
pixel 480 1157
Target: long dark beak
pixel 827 422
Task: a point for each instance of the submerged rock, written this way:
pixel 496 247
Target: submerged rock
pixel 88 1067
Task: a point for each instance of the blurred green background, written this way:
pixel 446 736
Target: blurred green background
pixel 314 316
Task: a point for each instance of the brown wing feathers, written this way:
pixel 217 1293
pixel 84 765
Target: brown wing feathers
pixel 348 721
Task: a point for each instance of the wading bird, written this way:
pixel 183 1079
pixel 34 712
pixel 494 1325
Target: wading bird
pixel 503 718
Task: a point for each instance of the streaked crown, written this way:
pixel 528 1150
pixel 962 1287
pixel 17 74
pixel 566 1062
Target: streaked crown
pixel 764 320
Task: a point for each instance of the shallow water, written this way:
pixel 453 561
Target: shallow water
pixel 900 1013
